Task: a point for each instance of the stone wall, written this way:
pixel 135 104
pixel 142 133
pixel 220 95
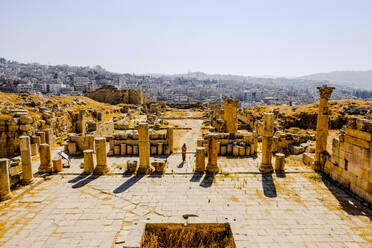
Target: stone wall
pixel 351 161
pixel 233 144
pixel 126 143
pixel 21 124
pixel 112 95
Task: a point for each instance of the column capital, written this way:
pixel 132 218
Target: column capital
pixel 325 91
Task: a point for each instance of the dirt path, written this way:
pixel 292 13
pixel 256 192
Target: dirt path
pixel 184 134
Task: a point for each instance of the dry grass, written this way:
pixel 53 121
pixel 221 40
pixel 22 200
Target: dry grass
pixel 192 235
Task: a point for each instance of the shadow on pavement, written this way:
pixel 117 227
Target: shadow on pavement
pixel 207 181
pixel 85 181
pixel 196 177
pixel 347 201
pixel 127 184
pixel 78 178
pixel 268 185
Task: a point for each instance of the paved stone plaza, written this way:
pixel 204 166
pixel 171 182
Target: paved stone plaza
pixel 293 209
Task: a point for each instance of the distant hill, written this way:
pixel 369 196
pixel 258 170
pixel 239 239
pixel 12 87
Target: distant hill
pixel 359 79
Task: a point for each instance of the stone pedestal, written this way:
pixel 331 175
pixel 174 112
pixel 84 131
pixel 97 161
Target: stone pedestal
pixel 144 148
pixel 160 148
pixel 279 162
pixel 101 158
pixel 117 150
pixel 322 124
pixel 230 115
pixel 25 148
pixel 129 150
pixel 200 159
pixel 57 165
pixel 267 140
pixel 123 149
pixel 170 138
pixel 5 193
pixel 46 165
pixel 241 151
pixel 212 154
pixel 88 161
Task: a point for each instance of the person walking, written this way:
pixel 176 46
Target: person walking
pixel 184 149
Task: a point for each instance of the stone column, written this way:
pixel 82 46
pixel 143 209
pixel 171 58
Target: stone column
pixel 144 148
pixel 212 154
pixel 25 147
pixel 48 136
pixel 88 161
pixel 200 159
pixel 81 121
pixel 267 141
pixel 199 142
pixel 46 165
pixel 101 158
pixel 170 138
pixel 36 140
pixel 5 193
pixel 231 115
pixel 42 137
pixel 322 124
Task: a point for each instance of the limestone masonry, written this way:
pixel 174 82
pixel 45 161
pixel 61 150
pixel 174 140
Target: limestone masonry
pixel 110 170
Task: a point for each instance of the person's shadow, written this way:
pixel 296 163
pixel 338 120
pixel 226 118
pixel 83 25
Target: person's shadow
pixel 181 164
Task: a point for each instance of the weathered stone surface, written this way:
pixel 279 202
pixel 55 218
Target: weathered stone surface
pixel 200 159
pixel 88 162
pixel 101 157
pixel 25 148
pixel 110 94
pixel 46 165
pixel 5 193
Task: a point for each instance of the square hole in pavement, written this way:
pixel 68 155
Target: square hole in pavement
pixel 192 235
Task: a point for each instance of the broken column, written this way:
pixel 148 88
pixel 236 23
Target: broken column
pixel 81 122
pixel 36 140
pixel 170 138
pixel 322 124
pixel 267 140
pixel 200 159
pixel 41 134
pixel 46 165
pixel 144 148
pixel 5 193
pixel 279 162
pixel 230 115
pixel 57 164
pixel 212 154
pixel 88 161
pixel 101 158
pixel 48 136
pixel 25 148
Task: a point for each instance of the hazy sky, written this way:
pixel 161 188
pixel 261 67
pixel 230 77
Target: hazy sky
pixel 277 37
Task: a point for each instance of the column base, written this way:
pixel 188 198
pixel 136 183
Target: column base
pixel 27 181
pixel 212 169
pixel 266 168
pixel 46 169
pixel 144 170
pixel 5 197
pixel 316 166
pixel 101 170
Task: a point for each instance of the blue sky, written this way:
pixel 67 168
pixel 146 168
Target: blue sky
pixel 277 37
